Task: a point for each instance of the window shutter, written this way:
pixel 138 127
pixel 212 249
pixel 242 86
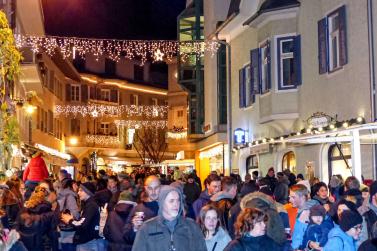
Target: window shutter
pixel 322 46
pixel 98 93
pixel 68 92
pixel 241 88
pixel 84 93
pixel 92 92
pixel 297 61
pixel 132 99
pixel 342 36
pixel 268 53
pixel 254 73
pixel 114 96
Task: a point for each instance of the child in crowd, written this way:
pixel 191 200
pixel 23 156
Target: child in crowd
pixel 315 236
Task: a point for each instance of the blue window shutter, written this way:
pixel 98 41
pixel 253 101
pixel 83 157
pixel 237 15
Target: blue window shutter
pixel 241 88
pixel 297 60
pixel 342 36
pixel 268 52
pixel 260 71
pixel 254 73
pixel 322 46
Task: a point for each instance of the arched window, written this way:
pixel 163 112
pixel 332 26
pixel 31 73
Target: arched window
pixel 289 161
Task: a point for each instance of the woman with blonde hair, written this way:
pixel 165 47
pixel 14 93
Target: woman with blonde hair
pixel 251 232
pixel 214 234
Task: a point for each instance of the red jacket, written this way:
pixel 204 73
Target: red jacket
pixel 36 170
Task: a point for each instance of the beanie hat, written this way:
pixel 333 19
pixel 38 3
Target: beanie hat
pixel 372 190
pixel 349 219
pixel 317 210
pixel 300 176
pixel 352 206
pixel 88 188
pixel 164 191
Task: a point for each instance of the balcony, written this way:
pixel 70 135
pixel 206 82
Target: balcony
pixel 102 141
pixel 30 71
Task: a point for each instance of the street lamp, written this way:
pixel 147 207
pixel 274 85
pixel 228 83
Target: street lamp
pixel 29 111
pixel 73 141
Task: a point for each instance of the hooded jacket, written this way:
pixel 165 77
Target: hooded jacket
pixel 115 221
pixel 339 241
pixel 203 199
pixel 219 241
pixel 274 226
pixel 36 170
pixel 224 202
pixel 179 234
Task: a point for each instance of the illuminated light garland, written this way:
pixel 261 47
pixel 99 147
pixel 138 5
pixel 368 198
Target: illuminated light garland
pixel 95 110
pixel 116 49
pixel 103 140
pixel 159 124
pixel 176 135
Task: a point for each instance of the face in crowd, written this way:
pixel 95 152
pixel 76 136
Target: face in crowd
pixel 152 188
pixel 214 187
pixel 171 206
pixel 296 199
pixel 211 220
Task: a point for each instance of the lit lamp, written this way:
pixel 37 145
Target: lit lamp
pixel 73 141
pixel 29 111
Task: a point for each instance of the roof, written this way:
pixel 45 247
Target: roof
pixel 234 7
pixel 273 5
pixel 65 66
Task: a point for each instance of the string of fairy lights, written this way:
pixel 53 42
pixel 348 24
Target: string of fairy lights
pixel 104 140
pixel 155 50
pixel 97 110
pixel 158 124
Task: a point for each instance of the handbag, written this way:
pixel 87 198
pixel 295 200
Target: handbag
pixel 63 226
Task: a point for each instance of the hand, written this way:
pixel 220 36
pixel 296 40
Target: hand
pixel 304 216
pixel 137 221
pixel 314 245
pixel 331 199
pixel 327 207
pixel 66 218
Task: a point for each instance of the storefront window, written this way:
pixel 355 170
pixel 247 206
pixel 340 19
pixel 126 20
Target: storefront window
pixel 252 164
pixel 289 161
pixel 340 161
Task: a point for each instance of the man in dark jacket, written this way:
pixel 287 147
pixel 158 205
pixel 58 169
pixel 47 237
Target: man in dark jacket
pixel 170 230
pixel 213 186
pixel 113 187
pixel 87 227
pixel 271 179
pixel 145 210
pixel 281 189
pixel 192 193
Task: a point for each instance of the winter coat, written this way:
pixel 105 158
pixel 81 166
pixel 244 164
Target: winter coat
pixel 67 199
pixel 32 236
pixel 370 217
pixel 274 225
pixel 219 241
pixel 116 220
pixel 150 210
pixel 249 243
pixel 369 245
pixel 272 181
pixel 192 192
pixel 233 214
pixel 36 170
pixel 223 202
pixel 103 196
pixel 155 235
pixel 88 226
pixel 339 241
pixel 113 201
pixel 281 190
pixel 317 233
pixel 203 199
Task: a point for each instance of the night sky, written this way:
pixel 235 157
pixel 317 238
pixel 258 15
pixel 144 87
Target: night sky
pixel 118 19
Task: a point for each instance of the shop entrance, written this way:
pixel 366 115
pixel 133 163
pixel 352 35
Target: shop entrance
pixel 340 160
pixel 289 161
pixel 252 164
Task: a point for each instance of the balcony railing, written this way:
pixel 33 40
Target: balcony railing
pixel 102 140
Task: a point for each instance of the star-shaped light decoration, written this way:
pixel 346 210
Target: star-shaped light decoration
pixel 94 114
pixel 158 55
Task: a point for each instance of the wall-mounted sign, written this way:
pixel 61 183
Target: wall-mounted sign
pixel 319 119
pixel 239 136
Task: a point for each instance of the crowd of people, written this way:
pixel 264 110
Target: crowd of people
pixel 145 212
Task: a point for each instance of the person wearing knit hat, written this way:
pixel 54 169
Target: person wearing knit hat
pixel 344 236
pixel 371 214
pixel 315 236
pixel 170 228
pixel 88 188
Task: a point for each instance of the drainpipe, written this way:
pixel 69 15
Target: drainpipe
pixel 372 76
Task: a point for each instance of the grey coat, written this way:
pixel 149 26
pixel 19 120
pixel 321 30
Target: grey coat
pixel 221 240
pixel 154 235
pixel 67 199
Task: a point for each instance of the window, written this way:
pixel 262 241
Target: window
pixel 134 99
pixel 50 122
pixel 245 92
pixel 75 127
pixel 105 95
pixel 75 92
pixel 289 161
pixel 154 101
pixel 332 41
pixel 104 129
pixel 221 85
pixel 51 81
pixel 265 76
pixel 180 113
pixel 110 67
pixel 45 121
pixel 289 62
pixel 138 72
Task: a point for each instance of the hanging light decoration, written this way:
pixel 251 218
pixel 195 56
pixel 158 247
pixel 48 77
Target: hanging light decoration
pixel 116 49
pixel 159 124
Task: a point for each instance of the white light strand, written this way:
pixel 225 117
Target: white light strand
pixel 91 110
pixel 103 140
pixel 159 124
pixel 176 135
pixel 154 50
